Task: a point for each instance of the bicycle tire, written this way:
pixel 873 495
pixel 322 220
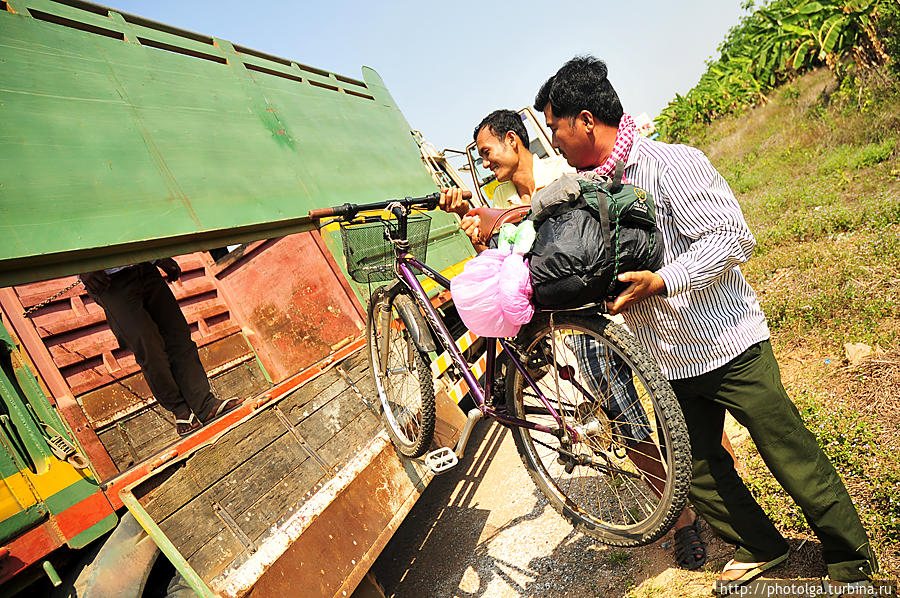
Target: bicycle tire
pixel 405 388
pixel 593 482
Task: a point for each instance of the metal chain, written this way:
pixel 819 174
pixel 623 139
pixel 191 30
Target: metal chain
pixel 51 299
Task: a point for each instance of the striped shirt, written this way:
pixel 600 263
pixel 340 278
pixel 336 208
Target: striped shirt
pixel 710 314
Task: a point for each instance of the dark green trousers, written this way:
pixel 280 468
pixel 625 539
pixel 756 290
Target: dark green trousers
pixel 750 388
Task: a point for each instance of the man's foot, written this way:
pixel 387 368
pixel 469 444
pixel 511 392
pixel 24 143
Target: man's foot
pixel 185 427
pixel 221 408
pixel 737 573
pixel 690 549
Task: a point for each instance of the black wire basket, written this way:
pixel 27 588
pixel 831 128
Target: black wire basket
pixel 368 249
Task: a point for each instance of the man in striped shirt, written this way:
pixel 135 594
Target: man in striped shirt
pixel 703 323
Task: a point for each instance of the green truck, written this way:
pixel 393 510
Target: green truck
pixel 125 140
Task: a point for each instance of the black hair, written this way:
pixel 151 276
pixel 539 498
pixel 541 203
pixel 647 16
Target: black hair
pixel 543 95
pixel 581 84
pixel 499 122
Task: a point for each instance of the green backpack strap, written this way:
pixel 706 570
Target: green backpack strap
pixel 590 192
pixel 615 184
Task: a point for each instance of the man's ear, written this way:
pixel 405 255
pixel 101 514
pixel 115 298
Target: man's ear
pixel 512 139
pixel 587 119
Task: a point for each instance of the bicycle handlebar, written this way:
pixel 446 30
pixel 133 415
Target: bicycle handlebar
pixel 349 210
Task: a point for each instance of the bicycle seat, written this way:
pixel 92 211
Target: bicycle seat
pixel 491 219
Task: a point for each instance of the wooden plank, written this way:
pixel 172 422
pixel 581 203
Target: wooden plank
pixel 216 554
pixel 114 443
pixel 281 500
pixel 319 392
pixel 57 319
pixel 349 439
pixel 220 352
pixel 168 491
pixel 237 491
pixel 224 548
pixel 328 420
pixel 212 463
pixel 244 380
pixel 150 431
pixel 192 525
pixel 196 522
pixel 104 404
pixel 277 465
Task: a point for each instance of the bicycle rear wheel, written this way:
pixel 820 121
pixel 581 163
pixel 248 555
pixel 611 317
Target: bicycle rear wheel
pixel 623 478
pixel 403 381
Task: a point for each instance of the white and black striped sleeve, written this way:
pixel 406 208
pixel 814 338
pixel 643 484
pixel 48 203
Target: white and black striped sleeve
pixel 704 210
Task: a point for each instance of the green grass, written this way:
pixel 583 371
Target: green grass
pixel 618 557
pixel 817 173
pixel 851 441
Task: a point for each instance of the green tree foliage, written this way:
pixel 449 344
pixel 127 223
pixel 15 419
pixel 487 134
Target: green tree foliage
pixel 776 42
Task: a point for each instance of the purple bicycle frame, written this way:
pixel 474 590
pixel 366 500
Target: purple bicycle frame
pixel 405 264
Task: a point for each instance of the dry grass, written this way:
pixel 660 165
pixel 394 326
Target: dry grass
pixel 817 172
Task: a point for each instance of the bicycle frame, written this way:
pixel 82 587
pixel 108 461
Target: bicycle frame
pixel 406 266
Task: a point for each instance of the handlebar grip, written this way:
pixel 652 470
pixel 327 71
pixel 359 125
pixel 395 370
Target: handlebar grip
pixel 467 194
pixel 347 209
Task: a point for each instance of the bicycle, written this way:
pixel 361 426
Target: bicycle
pixel 575 393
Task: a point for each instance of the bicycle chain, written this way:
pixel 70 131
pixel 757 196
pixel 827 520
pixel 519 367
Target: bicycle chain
pixel 50 299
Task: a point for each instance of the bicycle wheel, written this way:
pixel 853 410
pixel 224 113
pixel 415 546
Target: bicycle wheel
pixel 622 479
pixel 404 384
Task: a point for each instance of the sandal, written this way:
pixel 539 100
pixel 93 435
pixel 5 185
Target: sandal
pixel 185 427
pixel 690 549
pixel 222 408
pixel 751 572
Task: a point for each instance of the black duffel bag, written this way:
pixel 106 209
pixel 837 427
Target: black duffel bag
pixel 590 229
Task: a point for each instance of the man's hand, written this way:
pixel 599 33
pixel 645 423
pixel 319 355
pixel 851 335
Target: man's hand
pixel 95 282
pixel 471 226
pixel 643 284
pixel 170 267
pixel 453 200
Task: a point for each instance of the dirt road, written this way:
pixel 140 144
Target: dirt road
pixel 483 530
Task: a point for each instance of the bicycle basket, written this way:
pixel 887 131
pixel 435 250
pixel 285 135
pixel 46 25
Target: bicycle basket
pixel 369 254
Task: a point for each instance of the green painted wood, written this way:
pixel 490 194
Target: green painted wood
pixel 132 140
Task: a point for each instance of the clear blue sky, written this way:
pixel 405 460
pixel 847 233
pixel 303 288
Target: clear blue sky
pixel 447 64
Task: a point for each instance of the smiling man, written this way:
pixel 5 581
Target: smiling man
pixel 502 143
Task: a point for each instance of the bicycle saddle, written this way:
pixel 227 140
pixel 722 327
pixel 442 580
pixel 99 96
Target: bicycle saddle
pixel 491 219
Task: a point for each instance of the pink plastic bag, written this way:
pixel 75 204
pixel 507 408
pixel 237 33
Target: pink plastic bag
pixel 515 290
pixel 490 297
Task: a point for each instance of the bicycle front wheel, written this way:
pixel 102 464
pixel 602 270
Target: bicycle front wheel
pixel 619 467
pixel 401 375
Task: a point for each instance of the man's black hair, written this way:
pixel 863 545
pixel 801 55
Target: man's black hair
pixel 543 95
pixel 581 84
pixel 499 122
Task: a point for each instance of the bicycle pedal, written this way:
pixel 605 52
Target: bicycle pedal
pixel 440 460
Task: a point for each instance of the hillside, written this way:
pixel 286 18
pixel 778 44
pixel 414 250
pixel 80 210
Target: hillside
pixel 817 171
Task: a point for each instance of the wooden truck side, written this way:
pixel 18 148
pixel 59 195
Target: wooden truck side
pixel 126 140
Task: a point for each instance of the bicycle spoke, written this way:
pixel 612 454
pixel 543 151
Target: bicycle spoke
pixel 616 474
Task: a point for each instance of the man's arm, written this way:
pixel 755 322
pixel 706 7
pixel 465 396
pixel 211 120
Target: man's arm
pixel 643 284
pixel 170 267
pixel 454 200
pixel 707 217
